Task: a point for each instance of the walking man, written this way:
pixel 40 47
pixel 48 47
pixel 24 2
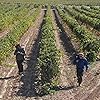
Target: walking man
pixel 20 53
pixel 81 63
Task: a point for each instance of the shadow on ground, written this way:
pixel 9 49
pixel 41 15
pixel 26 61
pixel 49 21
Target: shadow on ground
pixel 29 78
pixel 66 41
pixel 58 88
pixel 27 87
pixel 7 78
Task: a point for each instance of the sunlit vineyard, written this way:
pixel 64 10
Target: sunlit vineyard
pixel 21 19
pixel 88 39
pixel 82 20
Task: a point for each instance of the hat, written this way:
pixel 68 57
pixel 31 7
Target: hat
pixel 81 54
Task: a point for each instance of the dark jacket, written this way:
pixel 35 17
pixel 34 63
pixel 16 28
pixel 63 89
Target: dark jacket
pixel 81 63
pixel 20 53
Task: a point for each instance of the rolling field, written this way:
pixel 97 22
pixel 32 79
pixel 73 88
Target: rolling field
pixel 76 2
pixel 51 32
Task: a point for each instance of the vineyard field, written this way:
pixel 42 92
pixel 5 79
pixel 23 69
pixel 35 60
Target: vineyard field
pixel 52 34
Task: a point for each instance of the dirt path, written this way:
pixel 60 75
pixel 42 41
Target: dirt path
pixel 23 87
pixel 91 79
pixel 67 49
pixel 90 89
pixel 11 87
pixel 67 69
pixel 91 84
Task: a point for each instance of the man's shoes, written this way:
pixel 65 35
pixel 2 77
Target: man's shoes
pixel 79 85
pixel 21 73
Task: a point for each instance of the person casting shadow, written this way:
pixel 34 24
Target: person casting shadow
pixel 20 53
pixel 81 63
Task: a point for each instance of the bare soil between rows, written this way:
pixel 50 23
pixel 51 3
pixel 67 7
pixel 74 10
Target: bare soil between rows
pixel 23 87
pixel 89 89
pixel 12 82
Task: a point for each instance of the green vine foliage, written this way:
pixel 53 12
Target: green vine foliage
pixel 88 40
pixel 7 43
pixel 49 57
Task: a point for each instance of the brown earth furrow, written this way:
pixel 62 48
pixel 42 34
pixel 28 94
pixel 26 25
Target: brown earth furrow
pixel 66 78
pixel 13 84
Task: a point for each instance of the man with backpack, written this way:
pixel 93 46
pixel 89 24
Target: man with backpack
pixel 20 53
pixel 81 63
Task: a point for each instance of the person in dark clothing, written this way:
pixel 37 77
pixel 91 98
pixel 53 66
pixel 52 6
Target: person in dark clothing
pixel 81 63
pixel 20 53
